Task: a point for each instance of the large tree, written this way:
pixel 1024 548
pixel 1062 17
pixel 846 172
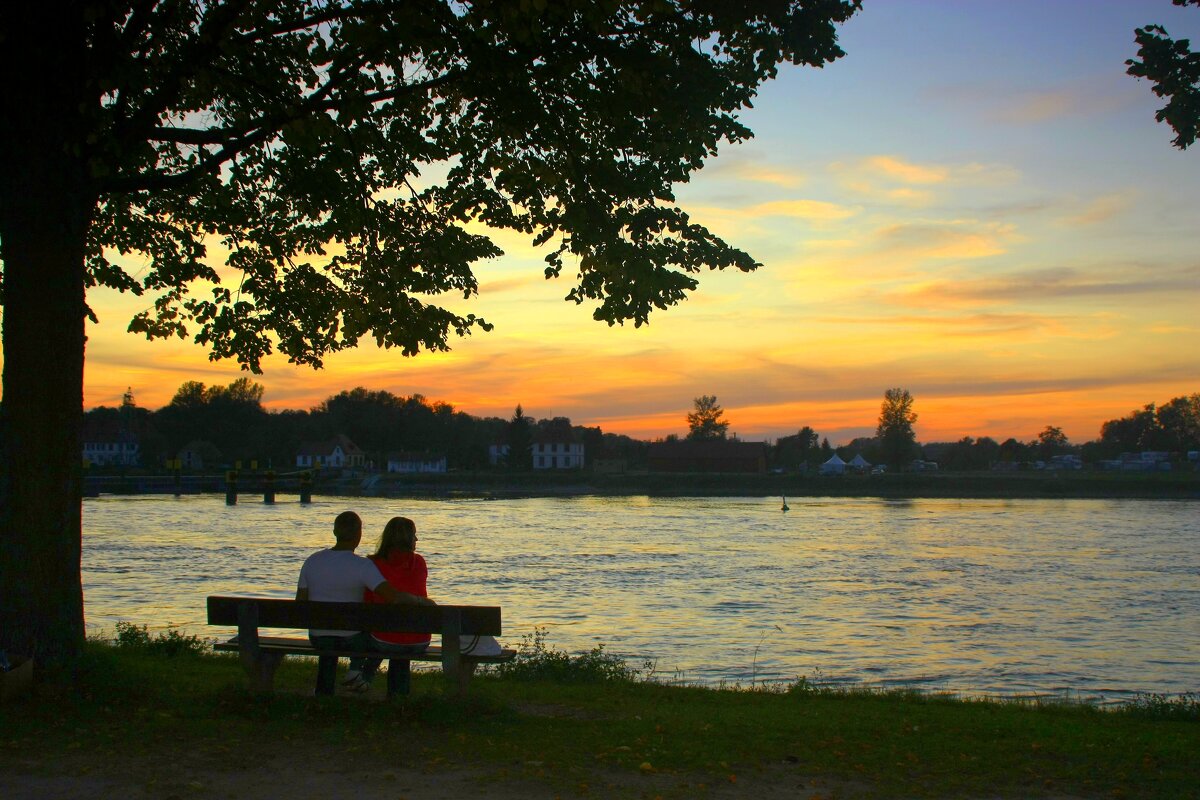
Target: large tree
pixel 705 420
pixel 897 439
pixel 1174 69
pixel 345 158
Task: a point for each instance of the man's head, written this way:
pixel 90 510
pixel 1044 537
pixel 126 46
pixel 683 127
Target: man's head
pixel 347 529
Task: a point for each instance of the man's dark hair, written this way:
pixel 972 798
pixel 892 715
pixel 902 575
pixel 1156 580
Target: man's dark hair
pixel 347 525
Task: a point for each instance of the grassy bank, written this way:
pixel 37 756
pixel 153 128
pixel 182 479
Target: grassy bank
pixel 580 727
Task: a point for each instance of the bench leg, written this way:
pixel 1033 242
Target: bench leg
pixel 326 674
pixel 466 669
pixel 399 677
pixel 261 671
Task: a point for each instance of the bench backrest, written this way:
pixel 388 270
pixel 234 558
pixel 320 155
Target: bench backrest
pixel 265 612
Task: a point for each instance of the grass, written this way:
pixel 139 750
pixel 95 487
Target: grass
pixel 159 705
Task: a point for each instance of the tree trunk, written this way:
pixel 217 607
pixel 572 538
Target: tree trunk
pixel 46 202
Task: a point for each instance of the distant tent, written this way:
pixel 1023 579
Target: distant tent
pixel 859 463
pixel 834 466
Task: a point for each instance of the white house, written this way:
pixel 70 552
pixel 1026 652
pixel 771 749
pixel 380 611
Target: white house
pixel 497 454
pixel 415 462
pixel 337 452
pixel 119 450
pixel 556 452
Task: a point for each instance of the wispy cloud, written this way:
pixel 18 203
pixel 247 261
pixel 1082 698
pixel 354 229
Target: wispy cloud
pixel 890 177
pixel 905 171
pixel 1044 285
pixel 1103 208
pixel 759 173
pixel 503 285
pixel 942 240
pixel 1009 105
pixel 726 219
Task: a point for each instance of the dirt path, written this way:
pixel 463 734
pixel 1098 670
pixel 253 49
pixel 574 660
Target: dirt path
pixel 298 773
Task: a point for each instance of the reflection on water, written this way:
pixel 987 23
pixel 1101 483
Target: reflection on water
pixel 978 596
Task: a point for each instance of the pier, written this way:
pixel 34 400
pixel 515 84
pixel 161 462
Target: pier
pixel 263 485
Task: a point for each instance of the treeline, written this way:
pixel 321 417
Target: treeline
pixel 227 424
pixel 1173 427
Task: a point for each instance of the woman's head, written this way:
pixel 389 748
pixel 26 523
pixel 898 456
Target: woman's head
pixel 399 536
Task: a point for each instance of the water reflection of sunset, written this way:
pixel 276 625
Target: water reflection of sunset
pixel 925 220
pixel 976 596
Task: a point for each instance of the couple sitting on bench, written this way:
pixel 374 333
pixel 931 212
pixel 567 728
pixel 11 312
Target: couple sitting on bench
pixel 395 573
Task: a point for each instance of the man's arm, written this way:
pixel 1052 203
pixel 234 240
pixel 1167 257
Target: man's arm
pixel 389 593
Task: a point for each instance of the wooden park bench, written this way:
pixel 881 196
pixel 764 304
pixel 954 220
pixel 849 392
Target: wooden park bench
pixel 261 655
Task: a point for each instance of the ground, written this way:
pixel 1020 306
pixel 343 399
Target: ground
pixel 308 772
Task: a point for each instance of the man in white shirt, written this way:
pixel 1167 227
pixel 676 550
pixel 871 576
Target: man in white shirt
pixel 337 575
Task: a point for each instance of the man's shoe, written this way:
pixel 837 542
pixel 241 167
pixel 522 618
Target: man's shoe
pixel 352 676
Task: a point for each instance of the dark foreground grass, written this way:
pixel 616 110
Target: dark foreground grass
pixel 136 709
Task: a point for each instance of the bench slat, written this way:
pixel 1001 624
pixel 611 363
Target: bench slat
pixel 276 613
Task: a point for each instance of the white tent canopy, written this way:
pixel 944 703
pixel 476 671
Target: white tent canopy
pixel 859 462
pixel 834 466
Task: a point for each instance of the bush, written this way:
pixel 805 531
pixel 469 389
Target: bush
pixel 1160 706
pixel 536 661
pixel 136 638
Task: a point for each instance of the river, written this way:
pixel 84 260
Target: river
pixel 1092 599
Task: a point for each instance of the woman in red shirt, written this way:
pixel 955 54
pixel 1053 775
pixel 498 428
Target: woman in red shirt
pixel 405 570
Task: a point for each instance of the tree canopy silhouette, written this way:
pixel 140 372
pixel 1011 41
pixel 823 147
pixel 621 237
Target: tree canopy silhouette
pixel 1174 69
pixel 897 439
pixel 705 421
pixel 343 158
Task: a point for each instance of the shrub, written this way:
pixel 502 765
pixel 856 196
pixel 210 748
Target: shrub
pixel 536 661
pixel 1185 706
pixel 131 637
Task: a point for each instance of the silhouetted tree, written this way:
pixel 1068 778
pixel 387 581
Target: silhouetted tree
pixel 1174 69
pixel 705 422
pixel 792 452
pixel 1014 450
pixel 1139 430
pixel 1052 442
pixel 826 449
pixel 230 417
pixel 897 439
pixel 1179 419
pixel 293 133
pixel 520 440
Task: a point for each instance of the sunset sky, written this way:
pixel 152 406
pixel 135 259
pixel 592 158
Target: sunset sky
pixel 975 204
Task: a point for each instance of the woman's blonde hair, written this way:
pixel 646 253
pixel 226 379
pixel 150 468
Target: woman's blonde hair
pixel 399 535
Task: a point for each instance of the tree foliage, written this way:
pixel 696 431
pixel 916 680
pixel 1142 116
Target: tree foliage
pixel 340 153
pixel 795 451
pixel 1052 441
pixel 897 439
pixel 1174 427
pixel 705 421
pixel 520 440
pixel 1174 69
